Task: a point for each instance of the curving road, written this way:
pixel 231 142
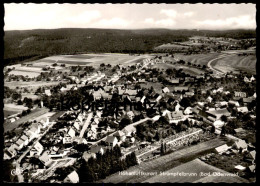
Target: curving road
pixel 214 70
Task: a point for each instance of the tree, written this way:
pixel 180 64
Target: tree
pixel 223 131
pixel 213 129
pixel 19 102
pixel 124 122
pixel 185 102
pixel 16 96
pixel 224 118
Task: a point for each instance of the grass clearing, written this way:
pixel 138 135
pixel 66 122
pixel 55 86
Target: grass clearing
pixel 193 169
pixel 10 113
pixel 34 114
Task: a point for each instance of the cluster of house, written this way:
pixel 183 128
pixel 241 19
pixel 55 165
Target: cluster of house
pixel 240 146
pixel 31 133
pixel 116 138
pixel 249 80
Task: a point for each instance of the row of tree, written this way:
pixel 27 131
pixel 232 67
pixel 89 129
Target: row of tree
pixel 104 165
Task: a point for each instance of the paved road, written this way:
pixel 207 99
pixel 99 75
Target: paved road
pixel 86 124
pixel 225 54
pixel 214 70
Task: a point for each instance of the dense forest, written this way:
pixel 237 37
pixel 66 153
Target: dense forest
pixel 30 45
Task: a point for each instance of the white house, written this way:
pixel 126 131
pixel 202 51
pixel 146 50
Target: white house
pixel 76 125
pixel 67 139
pixel 45 159
pixel 71 132
pixel 48 92
pixel 34 131
pixel 177 107
pixel 222 148
pixel 234 103
pixel 209 99
pixel 240 144
pixel 25 139
pixel 20 144
pixel 45 122
pixel 165 90
pixel 39 148
pixel 242 109
pixel 218 123
pixel 175 117
pixel 130 114
pixel 188 111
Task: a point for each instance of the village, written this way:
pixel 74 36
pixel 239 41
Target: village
pixel 141 109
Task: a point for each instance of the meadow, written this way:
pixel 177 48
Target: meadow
pixel 193 169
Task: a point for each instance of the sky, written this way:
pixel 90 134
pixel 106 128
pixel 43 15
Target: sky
pixel 130 16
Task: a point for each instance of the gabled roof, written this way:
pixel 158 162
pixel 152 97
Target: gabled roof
pixel 241 144
pixel 119 133
pixel 73 177
pixel 130 113
pixel 87 155
pixel 111 139
pixel 44 157
pixel 19 142
pixel 48 92
pixel 219 112
pixel 24 137
pixel 238 130
pixel 96 148
pixel 165 90
pixel 174 115
pixel 252 168
pixel 253 154
pixel 248 100
pixel 222 148
pixel 71 132
pixel 242 109
pixel 34 127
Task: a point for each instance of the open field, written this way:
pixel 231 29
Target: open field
pixel 165 162
pixel 32 84
pixel 24 73
pixel 34 114
pixel 201 59
pixel 46 115
pixel 10 109
pixel 82 56
pixel 194 169
pixel 10 113
pixel 171 46
pixel 91 59
pixel 189 70
pixel 234 61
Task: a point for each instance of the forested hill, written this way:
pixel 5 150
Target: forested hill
pixel 34 44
